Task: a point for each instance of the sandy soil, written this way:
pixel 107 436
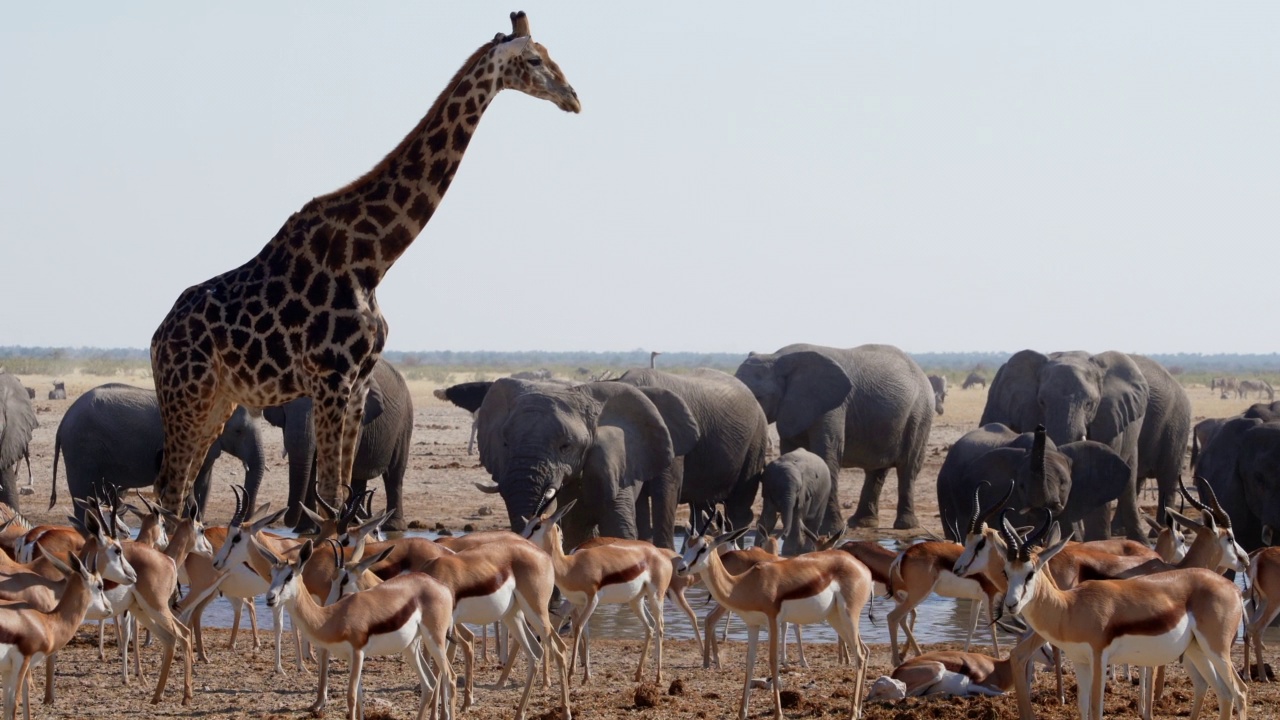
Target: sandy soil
pixel 439 494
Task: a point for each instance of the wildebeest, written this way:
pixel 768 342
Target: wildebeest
pixel 975 378
pixel 59 391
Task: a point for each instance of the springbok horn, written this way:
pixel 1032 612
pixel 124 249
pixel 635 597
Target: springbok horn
pixel 977 506
pixel 1010 536
pixel 1036 536
pixel 519 25
pixel 1218 513
pixel 1182 486
pixel 329 510
pixel 237 517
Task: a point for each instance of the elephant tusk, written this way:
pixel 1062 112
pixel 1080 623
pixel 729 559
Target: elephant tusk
pixel 284 453
pixel 490 489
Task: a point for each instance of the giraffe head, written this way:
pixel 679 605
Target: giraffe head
pixel 527 67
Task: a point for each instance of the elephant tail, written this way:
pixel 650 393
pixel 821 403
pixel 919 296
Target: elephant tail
pixel 53 488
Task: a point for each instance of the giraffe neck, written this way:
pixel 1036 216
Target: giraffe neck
pixel 367 225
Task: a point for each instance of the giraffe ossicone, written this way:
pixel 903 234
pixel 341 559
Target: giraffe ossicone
pixel 301 317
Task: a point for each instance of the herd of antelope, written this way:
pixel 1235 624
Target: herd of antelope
pixel 353 594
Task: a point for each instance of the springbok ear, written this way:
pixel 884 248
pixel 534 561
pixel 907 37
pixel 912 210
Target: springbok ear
pixel 1045 556
pixel 55 562
pixel 363 566
pixel 267 554
pixel 1187 522
pixel 311 514
pixel 305 553
pixel 731 537
pixel 258 525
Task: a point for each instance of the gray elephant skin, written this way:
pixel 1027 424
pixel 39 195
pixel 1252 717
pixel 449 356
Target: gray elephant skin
pixel 1242 464
pixel 17 422
pixel 795 488
pixel 112 436
pixel 1071 481
pixel 727 456
pixel 386 436
pixel 599 443
pixel 1127 402
pixel 868 407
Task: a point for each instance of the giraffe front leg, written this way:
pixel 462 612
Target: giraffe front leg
pixel 194 415
pixel 339 410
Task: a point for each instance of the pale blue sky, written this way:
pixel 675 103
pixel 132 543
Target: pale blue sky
pixel 939 176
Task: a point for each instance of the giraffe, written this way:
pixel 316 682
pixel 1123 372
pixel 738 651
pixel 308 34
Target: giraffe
pixel 301 318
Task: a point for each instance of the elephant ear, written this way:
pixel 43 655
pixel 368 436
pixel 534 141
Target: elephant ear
pixel 17 420
pixel 1014 395
pixel 813 384
pixel 681 424
pixel 494 411
pixel 1098 475
pixel 631 440
pixel 1124 396
pixel 275 415
pixel 373 402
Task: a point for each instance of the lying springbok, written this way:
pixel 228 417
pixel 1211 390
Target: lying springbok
pixel 1146 621
pixel 31 634
pixel 635 574
pixel 952 673
pixel 400 616
pixel 828 586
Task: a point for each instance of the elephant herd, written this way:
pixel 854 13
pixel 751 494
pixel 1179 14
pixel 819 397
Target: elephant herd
pixel 1070 432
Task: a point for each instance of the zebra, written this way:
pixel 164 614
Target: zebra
pixel 1258 386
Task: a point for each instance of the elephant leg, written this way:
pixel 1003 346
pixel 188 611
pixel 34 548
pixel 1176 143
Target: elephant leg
pixel 868 513
pixel 1127 514
pixel 1097 524
pixel 906 517
pixel 393 485
pixel 741 498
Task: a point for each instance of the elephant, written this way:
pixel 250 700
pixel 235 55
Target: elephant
pixel 939 385
pixel 599 443
pixel 1242 465
pixel 727 458
pixel 1205 430
pixel 1071 481
pixel 1127 402
pixel 382 450
pixel 795 487
pixel 112 437
pixel 868 407
pixel 17 423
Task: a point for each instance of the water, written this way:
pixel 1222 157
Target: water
pixel 939 619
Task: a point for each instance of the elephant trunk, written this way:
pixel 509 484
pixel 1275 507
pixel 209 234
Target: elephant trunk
pixel 255 464
pixel 1066 424
pixel 523 486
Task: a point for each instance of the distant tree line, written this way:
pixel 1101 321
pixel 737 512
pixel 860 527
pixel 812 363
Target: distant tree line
pixel 55 360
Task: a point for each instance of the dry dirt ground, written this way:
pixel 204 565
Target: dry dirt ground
pixel 440 495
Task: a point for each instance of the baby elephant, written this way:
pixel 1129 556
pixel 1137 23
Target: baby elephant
pixel 796 487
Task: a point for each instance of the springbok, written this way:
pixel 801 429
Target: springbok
pixel 399 616
pixel 951 672
pixel 1146 621
pixel 828 586
pixel 634 574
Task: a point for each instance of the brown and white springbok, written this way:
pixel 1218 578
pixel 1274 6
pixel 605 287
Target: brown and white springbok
pixel 398 617
pixel 509 582
pixel 929 567
pixel 29 634
pixel 633 574
pixel 1147 621
pixel 1264 581
pixel 828 586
